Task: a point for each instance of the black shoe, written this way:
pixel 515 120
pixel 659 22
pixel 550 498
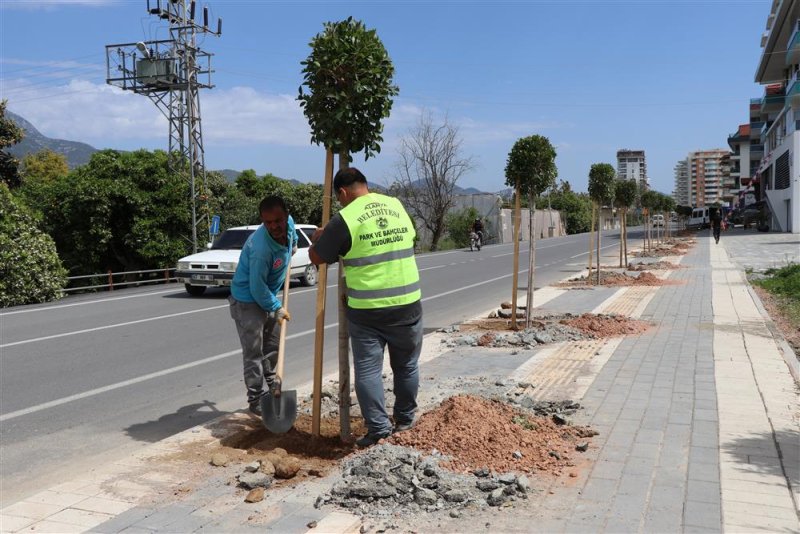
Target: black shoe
pixel 255 408
pixel 371 439
pixel 402 427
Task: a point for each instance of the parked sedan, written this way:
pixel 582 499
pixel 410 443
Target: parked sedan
pixel 215 266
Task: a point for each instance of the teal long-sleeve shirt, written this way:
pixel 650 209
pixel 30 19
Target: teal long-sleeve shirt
pixel 263 267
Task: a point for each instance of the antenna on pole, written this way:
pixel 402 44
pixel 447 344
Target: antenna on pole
pixel 171 73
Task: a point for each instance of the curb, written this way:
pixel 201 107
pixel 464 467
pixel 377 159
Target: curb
pixel 786 350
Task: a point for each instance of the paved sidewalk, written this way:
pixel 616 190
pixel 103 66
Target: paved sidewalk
pixel 698 422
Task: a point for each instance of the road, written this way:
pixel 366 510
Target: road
pixel 91 378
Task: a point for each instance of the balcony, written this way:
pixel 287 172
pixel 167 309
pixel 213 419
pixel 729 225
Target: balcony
pixel 793 91
pixel 757 150
pixel 774 137
pixel 774 99
pixel 793 46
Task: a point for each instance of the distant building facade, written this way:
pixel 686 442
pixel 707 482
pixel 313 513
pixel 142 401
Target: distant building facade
pixel 681 192
pixel 743 165
pixel 708 171
pixel 631 165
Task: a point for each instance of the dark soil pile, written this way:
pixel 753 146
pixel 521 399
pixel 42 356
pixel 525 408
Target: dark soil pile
pixel 480 433
pixel 599 326
pixel 654 266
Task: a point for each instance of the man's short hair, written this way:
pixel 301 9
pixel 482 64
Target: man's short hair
pixel 271 202
pixel 348 177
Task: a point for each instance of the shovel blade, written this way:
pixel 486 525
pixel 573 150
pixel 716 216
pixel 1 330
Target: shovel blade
pixel 279 413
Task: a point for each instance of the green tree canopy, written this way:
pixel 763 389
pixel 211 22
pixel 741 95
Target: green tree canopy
pixel 532 162
pixel 576 208
pixel 30 270
pixel 10 134
pixel 625 193
pixel 602 183
pixel 121 211
pixel 349 78
pixel 650 199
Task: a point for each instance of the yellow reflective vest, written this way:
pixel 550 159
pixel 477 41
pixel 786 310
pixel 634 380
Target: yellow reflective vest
pixel 380 267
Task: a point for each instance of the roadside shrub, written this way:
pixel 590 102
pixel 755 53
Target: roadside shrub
pixel 458 225
pixel 784 281
pixel 30 269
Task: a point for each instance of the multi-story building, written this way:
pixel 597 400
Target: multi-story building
pixel 631 165
pixel 778 174
pixel 742 167
pixel 708 171
pixel 681 191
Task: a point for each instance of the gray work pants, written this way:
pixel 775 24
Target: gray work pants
pixel 405 344
pixel 259 334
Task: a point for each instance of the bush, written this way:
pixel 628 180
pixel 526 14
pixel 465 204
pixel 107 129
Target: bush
pixel 784 281
pixel 30 270
pixel 459 225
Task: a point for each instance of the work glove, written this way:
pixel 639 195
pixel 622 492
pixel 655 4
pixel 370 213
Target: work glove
pixel 282 314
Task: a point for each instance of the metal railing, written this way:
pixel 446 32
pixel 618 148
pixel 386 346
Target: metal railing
pixel 110 285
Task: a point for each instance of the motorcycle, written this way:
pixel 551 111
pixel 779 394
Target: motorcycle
pixel 474 241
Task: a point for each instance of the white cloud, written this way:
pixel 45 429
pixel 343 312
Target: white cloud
pixel 50 4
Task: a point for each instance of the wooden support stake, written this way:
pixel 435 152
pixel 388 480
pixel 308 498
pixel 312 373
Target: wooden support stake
pixel 322 283
pixel 515 275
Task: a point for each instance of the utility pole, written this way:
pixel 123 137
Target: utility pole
pixel 171 73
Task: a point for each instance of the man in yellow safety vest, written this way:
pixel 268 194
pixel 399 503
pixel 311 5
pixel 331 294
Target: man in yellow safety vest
pixel 374 236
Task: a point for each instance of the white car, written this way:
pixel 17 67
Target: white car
pixel 215 266
pixel 658 220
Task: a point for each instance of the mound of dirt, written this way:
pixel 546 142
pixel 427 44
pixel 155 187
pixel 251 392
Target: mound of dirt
pixel 599 326
pixel 654 266
pixel 611 278
pixel 478 433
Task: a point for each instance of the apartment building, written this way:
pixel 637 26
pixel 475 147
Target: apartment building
pixel 631 165
pixel 743 165
pixel 681 191
pixel 778 174
pixel 707 173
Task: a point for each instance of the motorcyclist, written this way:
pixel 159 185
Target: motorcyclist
pixel 477 227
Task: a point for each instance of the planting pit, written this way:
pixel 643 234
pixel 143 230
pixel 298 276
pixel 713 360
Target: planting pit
pixel 654 266
pixel 613 278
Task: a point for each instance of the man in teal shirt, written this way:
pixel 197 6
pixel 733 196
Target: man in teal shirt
pixel 255 304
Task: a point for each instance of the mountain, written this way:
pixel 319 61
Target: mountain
pixel 76 153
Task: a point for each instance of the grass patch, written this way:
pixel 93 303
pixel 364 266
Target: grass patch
pixel 784 284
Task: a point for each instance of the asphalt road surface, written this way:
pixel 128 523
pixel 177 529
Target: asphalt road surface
pixel 89 379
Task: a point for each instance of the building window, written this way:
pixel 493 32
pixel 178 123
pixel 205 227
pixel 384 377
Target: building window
pixel 782 171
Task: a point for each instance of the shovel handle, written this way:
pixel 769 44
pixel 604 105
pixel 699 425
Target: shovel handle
pixel 282 338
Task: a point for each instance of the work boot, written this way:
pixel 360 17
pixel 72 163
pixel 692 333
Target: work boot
pixel 255 408
pixel 402 427
pixel 371 439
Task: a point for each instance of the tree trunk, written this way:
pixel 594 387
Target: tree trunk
pixel 621 240
pixel 344 338
pixel 532 258
pixel 599 237
pixel 515 274
pixel 625 234
pixel 591 244
pixel 322 281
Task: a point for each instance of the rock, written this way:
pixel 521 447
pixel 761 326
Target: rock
pixel 492 314
pixel 364 529
pixel 504 314
pixel 252 467
pixel 267 467
pixel 255 480
pixel 555 455
pixel 455 495
pixel 430 471
pixel 525 385
pixel 311 524
pixel 517 455
pixel 367 487
pixel 523 484
pixel 287 467
pixel 497 497
pixel 482 472
pixel 255 495
pixel 272 458
pixel 582 447
pixel 487 485
pixel 315 473
pixel 219 460
pixel 499 383
pixel 559 419
pixel 543 337
pixel 280 452
pixel 507 478
pixel 425 497
pixel 455 514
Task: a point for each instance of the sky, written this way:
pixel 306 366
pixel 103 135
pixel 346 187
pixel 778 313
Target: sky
pixel 594 77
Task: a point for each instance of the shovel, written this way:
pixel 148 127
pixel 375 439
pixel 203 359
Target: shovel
pixel 279 408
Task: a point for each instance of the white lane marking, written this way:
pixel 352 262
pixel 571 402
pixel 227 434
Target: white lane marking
pixel 97 301
pixel 430 268
pixel 138 321
pixel 143 378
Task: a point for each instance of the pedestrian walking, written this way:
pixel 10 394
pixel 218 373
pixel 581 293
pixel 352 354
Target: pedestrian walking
pixel 255 304
pixel 716 224
pixel 374 236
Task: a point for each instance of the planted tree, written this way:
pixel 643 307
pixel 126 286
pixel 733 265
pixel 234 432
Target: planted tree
pixel 531 169
pixel 624 197
pixel 669 207
pixel 349 79
pixel 601 191
pixel 649 200
pixel 430 164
